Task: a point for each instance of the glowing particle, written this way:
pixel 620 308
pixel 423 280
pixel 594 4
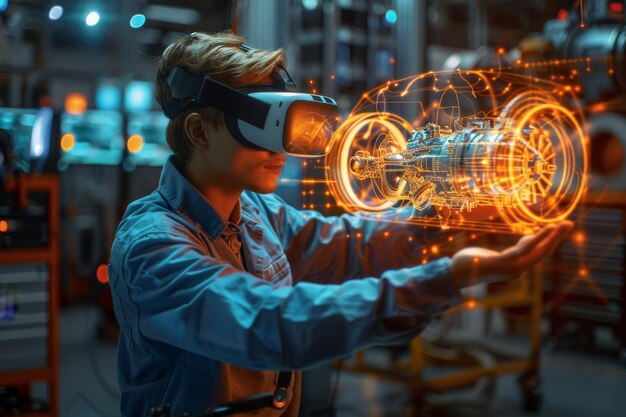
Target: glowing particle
pixel 102 274
pixel 579 237
pixel 134 143
pixel 67 142
pixel 4 226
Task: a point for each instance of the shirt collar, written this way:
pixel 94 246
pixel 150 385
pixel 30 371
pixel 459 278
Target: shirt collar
pixel 188 201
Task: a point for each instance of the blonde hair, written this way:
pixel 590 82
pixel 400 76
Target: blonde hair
pixel 219 56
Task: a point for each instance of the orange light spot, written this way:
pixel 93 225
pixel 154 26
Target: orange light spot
pixel 359 235
pixel 598 108
pixel 312 206
pixel 583 272
pixel 410 238
pixel 435 250
pixel 75 103
pixel 4 226
pixel 134 143
pixel 473 236
pixel 470 303
pixel 579 237
pixel 476 260
pixel 424 261
pixel 67 142
pixel 424 251
pixel 501 51
pixel 327 205
pixel 392 60
pixel 102 273
pixel 386 234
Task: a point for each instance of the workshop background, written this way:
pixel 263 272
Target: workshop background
pixel 78 114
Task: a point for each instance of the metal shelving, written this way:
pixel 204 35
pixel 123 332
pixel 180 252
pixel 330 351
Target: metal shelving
pixel 33 274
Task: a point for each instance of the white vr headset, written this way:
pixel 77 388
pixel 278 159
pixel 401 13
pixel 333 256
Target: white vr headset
pixel 261 117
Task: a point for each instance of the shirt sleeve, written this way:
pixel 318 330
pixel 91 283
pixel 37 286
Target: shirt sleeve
pixel 336 248
pixel 201 304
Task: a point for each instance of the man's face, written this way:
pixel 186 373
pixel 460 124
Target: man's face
pixel 241 167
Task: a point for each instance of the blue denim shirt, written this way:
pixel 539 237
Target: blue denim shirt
pixel 198 330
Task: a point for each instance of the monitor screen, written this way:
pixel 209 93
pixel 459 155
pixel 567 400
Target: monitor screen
pixel 30 131
pixel 146 140
pixel 94 137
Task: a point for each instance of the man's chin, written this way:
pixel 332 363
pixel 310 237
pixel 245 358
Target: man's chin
pixel 265 188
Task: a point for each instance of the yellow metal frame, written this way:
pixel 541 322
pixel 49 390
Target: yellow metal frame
pixel 410 373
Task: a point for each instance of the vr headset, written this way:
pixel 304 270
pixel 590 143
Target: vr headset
pixel 269 117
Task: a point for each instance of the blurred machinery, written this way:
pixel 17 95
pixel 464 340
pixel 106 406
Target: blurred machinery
pixel 26 148
pixel 586 285
pixel 29 262
pixel 92 144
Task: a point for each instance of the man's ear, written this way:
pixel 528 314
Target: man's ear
pixel 195 130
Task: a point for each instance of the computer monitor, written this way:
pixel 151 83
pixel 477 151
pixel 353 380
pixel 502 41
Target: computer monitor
pixel 94 137
pixel 31 133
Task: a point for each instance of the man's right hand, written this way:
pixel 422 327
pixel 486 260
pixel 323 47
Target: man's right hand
pixel 477 265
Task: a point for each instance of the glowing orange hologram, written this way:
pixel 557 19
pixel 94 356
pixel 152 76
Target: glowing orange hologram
pixel 515 165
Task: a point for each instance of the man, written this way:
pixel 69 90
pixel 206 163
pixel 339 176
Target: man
pixel 217 284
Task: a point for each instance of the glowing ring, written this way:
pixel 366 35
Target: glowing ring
pixel 338 159
pixel 568 171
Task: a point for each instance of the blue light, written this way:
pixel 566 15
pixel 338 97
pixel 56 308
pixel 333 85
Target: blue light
pixel 108 97
pixel 55 12
pixel 4 4
pixel 391 16
pixel 92 19
pixel 310 4
pixel 137 21
pixel 138 96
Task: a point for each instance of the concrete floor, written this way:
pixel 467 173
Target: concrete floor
pixel 575 384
